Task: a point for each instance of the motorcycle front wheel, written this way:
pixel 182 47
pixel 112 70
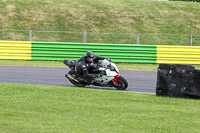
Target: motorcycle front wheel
pixel 122 83
pixel 78 84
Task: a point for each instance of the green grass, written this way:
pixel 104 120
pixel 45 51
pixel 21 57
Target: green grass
pixel 33 63
pixel 41 108
pixel 117 16
pixel 126 66
pixel 129 66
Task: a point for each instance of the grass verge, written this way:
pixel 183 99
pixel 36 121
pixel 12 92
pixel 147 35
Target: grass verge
pixel 41 108
pixel 127 66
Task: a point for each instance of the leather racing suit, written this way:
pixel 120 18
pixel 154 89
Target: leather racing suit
pixel 87 71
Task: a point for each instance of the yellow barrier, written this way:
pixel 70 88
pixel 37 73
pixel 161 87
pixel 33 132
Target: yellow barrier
pixel 15 50
pixel 178 54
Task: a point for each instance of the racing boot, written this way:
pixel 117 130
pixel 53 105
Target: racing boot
pixel 82 80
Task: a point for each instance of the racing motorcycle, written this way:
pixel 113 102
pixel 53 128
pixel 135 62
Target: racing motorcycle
pixel 110 75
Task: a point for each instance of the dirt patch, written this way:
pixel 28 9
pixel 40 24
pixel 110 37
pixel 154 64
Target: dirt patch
pixel 11 14
pixel 73 13
pixel 10 7
pixel 197 26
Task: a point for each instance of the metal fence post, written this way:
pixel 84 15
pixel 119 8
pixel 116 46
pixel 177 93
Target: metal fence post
pixel 30 35
pixel 190 39
pixel 138 38
pixel 85 37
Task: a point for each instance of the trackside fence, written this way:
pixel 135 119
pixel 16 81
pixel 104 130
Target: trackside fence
pixel 100 37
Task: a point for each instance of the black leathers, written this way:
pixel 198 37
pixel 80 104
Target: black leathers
pixel 87 70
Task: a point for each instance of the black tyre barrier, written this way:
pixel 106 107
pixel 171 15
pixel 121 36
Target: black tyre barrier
pixel 177 80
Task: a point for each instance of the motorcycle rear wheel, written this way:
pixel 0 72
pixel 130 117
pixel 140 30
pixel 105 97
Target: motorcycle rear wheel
pixel 122 83
pixel 78 84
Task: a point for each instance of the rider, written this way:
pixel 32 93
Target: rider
pixel 87 67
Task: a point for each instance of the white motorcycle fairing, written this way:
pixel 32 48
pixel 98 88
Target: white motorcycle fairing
pixel 105 79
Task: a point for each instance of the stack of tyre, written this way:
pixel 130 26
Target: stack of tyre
pixel 178 80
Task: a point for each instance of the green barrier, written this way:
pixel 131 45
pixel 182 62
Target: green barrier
pixel 73 51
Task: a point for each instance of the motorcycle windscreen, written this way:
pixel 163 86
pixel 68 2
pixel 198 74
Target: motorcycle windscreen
pixel 115 67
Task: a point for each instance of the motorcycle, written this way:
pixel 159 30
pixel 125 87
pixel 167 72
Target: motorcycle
pixel 110 75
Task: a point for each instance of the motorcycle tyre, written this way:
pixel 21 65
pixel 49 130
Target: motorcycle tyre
pixel 122 82
pixel 78 84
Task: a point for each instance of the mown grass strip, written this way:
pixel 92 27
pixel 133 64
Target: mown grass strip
pixel 128 66
pixel 41 108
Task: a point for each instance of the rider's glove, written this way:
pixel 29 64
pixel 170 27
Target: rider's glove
pixel 94 65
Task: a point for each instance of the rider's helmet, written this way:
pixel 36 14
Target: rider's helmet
pixel 89 56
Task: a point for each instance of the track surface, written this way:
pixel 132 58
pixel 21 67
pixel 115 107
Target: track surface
pixel 139 81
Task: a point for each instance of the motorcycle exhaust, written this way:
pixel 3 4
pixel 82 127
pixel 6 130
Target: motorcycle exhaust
pixel 71 77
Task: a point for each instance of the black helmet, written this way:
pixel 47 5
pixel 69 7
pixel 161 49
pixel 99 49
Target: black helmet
pixel 89 56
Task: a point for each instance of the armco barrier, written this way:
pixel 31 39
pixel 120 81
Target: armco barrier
pixel 178 55
pixel 15 50
pixel 117 52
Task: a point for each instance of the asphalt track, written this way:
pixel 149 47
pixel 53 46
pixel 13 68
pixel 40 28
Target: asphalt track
pixel 139 81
